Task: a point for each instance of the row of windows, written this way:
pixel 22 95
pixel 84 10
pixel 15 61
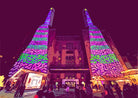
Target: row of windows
pixel 69 46
pixel 70 52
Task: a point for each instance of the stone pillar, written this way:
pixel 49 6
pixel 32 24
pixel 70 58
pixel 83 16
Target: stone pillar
pixel 63 57
pixel 76 57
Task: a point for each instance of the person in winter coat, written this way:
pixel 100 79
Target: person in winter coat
pixel 89 91
pixel 82 92
pixel 127 90
pixel 118 90
pixel 77 95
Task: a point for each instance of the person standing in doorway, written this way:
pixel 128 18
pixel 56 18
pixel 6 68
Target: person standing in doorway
pixel 89 92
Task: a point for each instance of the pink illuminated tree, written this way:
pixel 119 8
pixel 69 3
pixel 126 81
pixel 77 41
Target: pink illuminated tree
pixel 103 62
pixel 34 57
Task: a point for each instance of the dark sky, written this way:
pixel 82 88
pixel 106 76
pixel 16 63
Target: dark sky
pixel 20 19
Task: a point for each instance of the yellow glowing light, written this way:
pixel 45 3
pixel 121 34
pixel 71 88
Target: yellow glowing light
pixel 1 56
pixel 51 8
pixel 1 80
pixel 130 70
pixel 83 83
pixel 85 9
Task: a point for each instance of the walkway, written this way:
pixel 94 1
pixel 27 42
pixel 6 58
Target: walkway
pixel 58 94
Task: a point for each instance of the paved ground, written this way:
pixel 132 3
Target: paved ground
pixel 58 94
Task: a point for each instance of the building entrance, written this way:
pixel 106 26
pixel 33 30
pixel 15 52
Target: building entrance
pixel 70 82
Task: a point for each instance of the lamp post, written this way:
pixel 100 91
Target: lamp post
pixel 1 56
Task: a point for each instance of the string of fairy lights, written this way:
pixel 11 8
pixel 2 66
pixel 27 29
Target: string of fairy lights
pixel 103 60
pixel 34 57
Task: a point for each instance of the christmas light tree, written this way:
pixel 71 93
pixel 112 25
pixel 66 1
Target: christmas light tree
pixel 103 62
pixel 34 57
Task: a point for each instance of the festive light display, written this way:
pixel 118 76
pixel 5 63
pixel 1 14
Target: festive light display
pixel 34 57
pixel 103 60
pixel 2 81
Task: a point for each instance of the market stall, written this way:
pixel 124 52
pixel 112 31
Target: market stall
pixel 31 79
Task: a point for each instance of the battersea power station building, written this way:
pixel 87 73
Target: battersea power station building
pixel 67 59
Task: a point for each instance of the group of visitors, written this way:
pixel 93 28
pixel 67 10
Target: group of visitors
pixel 130 91
pixel 83 92
pixel 18 86
pixel 11 85
pixel 46 92
pixel 127 92
pixel 108 90
pixel 97 87
pixel 19 91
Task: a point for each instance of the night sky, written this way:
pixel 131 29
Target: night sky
pixel 20 19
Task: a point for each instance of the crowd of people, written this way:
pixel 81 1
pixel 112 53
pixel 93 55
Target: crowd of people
pixel 129 91
pixel 82 92
pixel 108 90
pixel 46 92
